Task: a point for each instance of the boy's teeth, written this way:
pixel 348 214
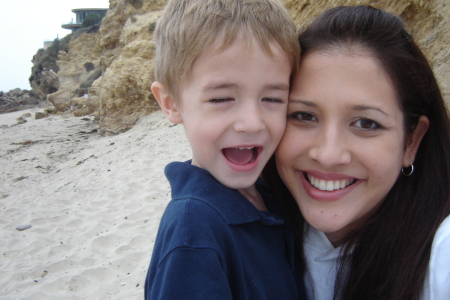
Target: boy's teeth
pixel 329 185
pixel 240 155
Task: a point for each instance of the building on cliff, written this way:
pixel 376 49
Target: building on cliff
pixel 47 44
pixel 81 14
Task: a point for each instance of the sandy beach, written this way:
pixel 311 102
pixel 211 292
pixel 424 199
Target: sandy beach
pixel 93 203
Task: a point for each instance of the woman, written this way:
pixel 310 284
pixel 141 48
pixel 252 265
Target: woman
pixel 365 156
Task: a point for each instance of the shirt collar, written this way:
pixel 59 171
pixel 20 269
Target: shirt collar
pixel 189 181
pixel 323 248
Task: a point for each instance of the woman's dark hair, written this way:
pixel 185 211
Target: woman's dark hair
pixel 391 251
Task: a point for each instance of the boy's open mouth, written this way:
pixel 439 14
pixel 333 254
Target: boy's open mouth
pixel 328 185
pixel 241 155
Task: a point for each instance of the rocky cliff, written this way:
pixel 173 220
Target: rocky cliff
pixel 123 49
pixel 127 59
pixel 17 99
pixel 78 68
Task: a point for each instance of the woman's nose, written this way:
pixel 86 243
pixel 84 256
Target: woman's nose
pixel 330 147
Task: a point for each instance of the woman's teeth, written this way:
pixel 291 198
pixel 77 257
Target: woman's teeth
pixel 329 185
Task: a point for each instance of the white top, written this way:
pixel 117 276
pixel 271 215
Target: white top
pixel 437 280
pixel 321 262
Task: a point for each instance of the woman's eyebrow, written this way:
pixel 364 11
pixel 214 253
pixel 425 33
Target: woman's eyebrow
pixel 364 107
pixel 354 107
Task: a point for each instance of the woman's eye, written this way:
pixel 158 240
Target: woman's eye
pixel 303 116
pixel 220 100
pixel 367 124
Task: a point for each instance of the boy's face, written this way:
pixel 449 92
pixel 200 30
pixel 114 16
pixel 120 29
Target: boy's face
pixel 233 107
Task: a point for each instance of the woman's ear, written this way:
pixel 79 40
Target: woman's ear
pixel 166 102
pixel 414 140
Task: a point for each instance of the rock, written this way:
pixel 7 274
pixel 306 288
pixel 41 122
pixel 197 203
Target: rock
pixel 40 115
pixel 76 67
pixel 27 115
pixel 17 99
pixel 43 80
pixel 29 101
pixel 23 227
pixel 15 92
pixel 60 99
pixel 20 120
pixel 127 54
pixel 50 110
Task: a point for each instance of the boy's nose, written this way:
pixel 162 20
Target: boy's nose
pixel 249 120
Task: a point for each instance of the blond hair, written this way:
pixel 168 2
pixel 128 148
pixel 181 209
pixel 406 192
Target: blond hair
pixel 189 27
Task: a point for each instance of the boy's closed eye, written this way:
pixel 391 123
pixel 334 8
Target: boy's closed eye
pixel 221 100
pixel 273 100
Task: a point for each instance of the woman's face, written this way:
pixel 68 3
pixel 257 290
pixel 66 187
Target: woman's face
pixel 344 144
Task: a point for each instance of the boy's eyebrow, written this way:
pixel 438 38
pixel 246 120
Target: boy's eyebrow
pixel 278 86
pixel 218 86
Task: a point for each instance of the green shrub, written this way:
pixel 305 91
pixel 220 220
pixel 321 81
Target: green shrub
pixel 88 82
pixel 64 43
pixel 47 58
pixel 89 66
pixel 152 27
pixel 136 3
pixel 80 92
pixel 92 19
pixel 53 49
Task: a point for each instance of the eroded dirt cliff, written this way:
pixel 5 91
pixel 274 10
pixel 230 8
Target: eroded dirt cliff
pixel 126 38
pixel 123 49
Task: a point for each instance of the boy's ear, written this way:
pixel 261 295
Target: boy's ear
pixel 166 102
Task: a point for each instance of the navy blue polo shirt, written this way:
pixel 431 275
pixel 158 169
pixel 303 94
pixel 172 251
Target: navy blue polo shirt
pixel 213 243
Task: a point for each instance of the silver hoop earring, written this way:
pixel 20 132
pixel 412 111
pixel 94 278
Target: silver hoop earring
pixel 411 167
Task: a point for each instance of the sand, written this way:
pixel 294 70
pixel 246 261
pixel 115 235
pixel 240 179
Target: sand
pixel 94 204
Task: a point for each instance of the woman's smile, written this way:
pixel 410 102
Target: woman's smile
pixel 328 184
pixel 323 189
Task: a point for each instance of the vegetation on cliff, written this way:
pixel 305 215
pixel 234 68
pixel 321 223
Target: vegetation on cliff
pixel 45 76
pixel 46 59
pixel 93 19
pixel 43 79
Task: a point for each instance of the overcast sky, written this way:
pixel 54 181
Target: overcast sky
pixel 24 26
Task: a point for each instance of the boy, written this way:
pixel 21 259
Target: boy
pixel 223 69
